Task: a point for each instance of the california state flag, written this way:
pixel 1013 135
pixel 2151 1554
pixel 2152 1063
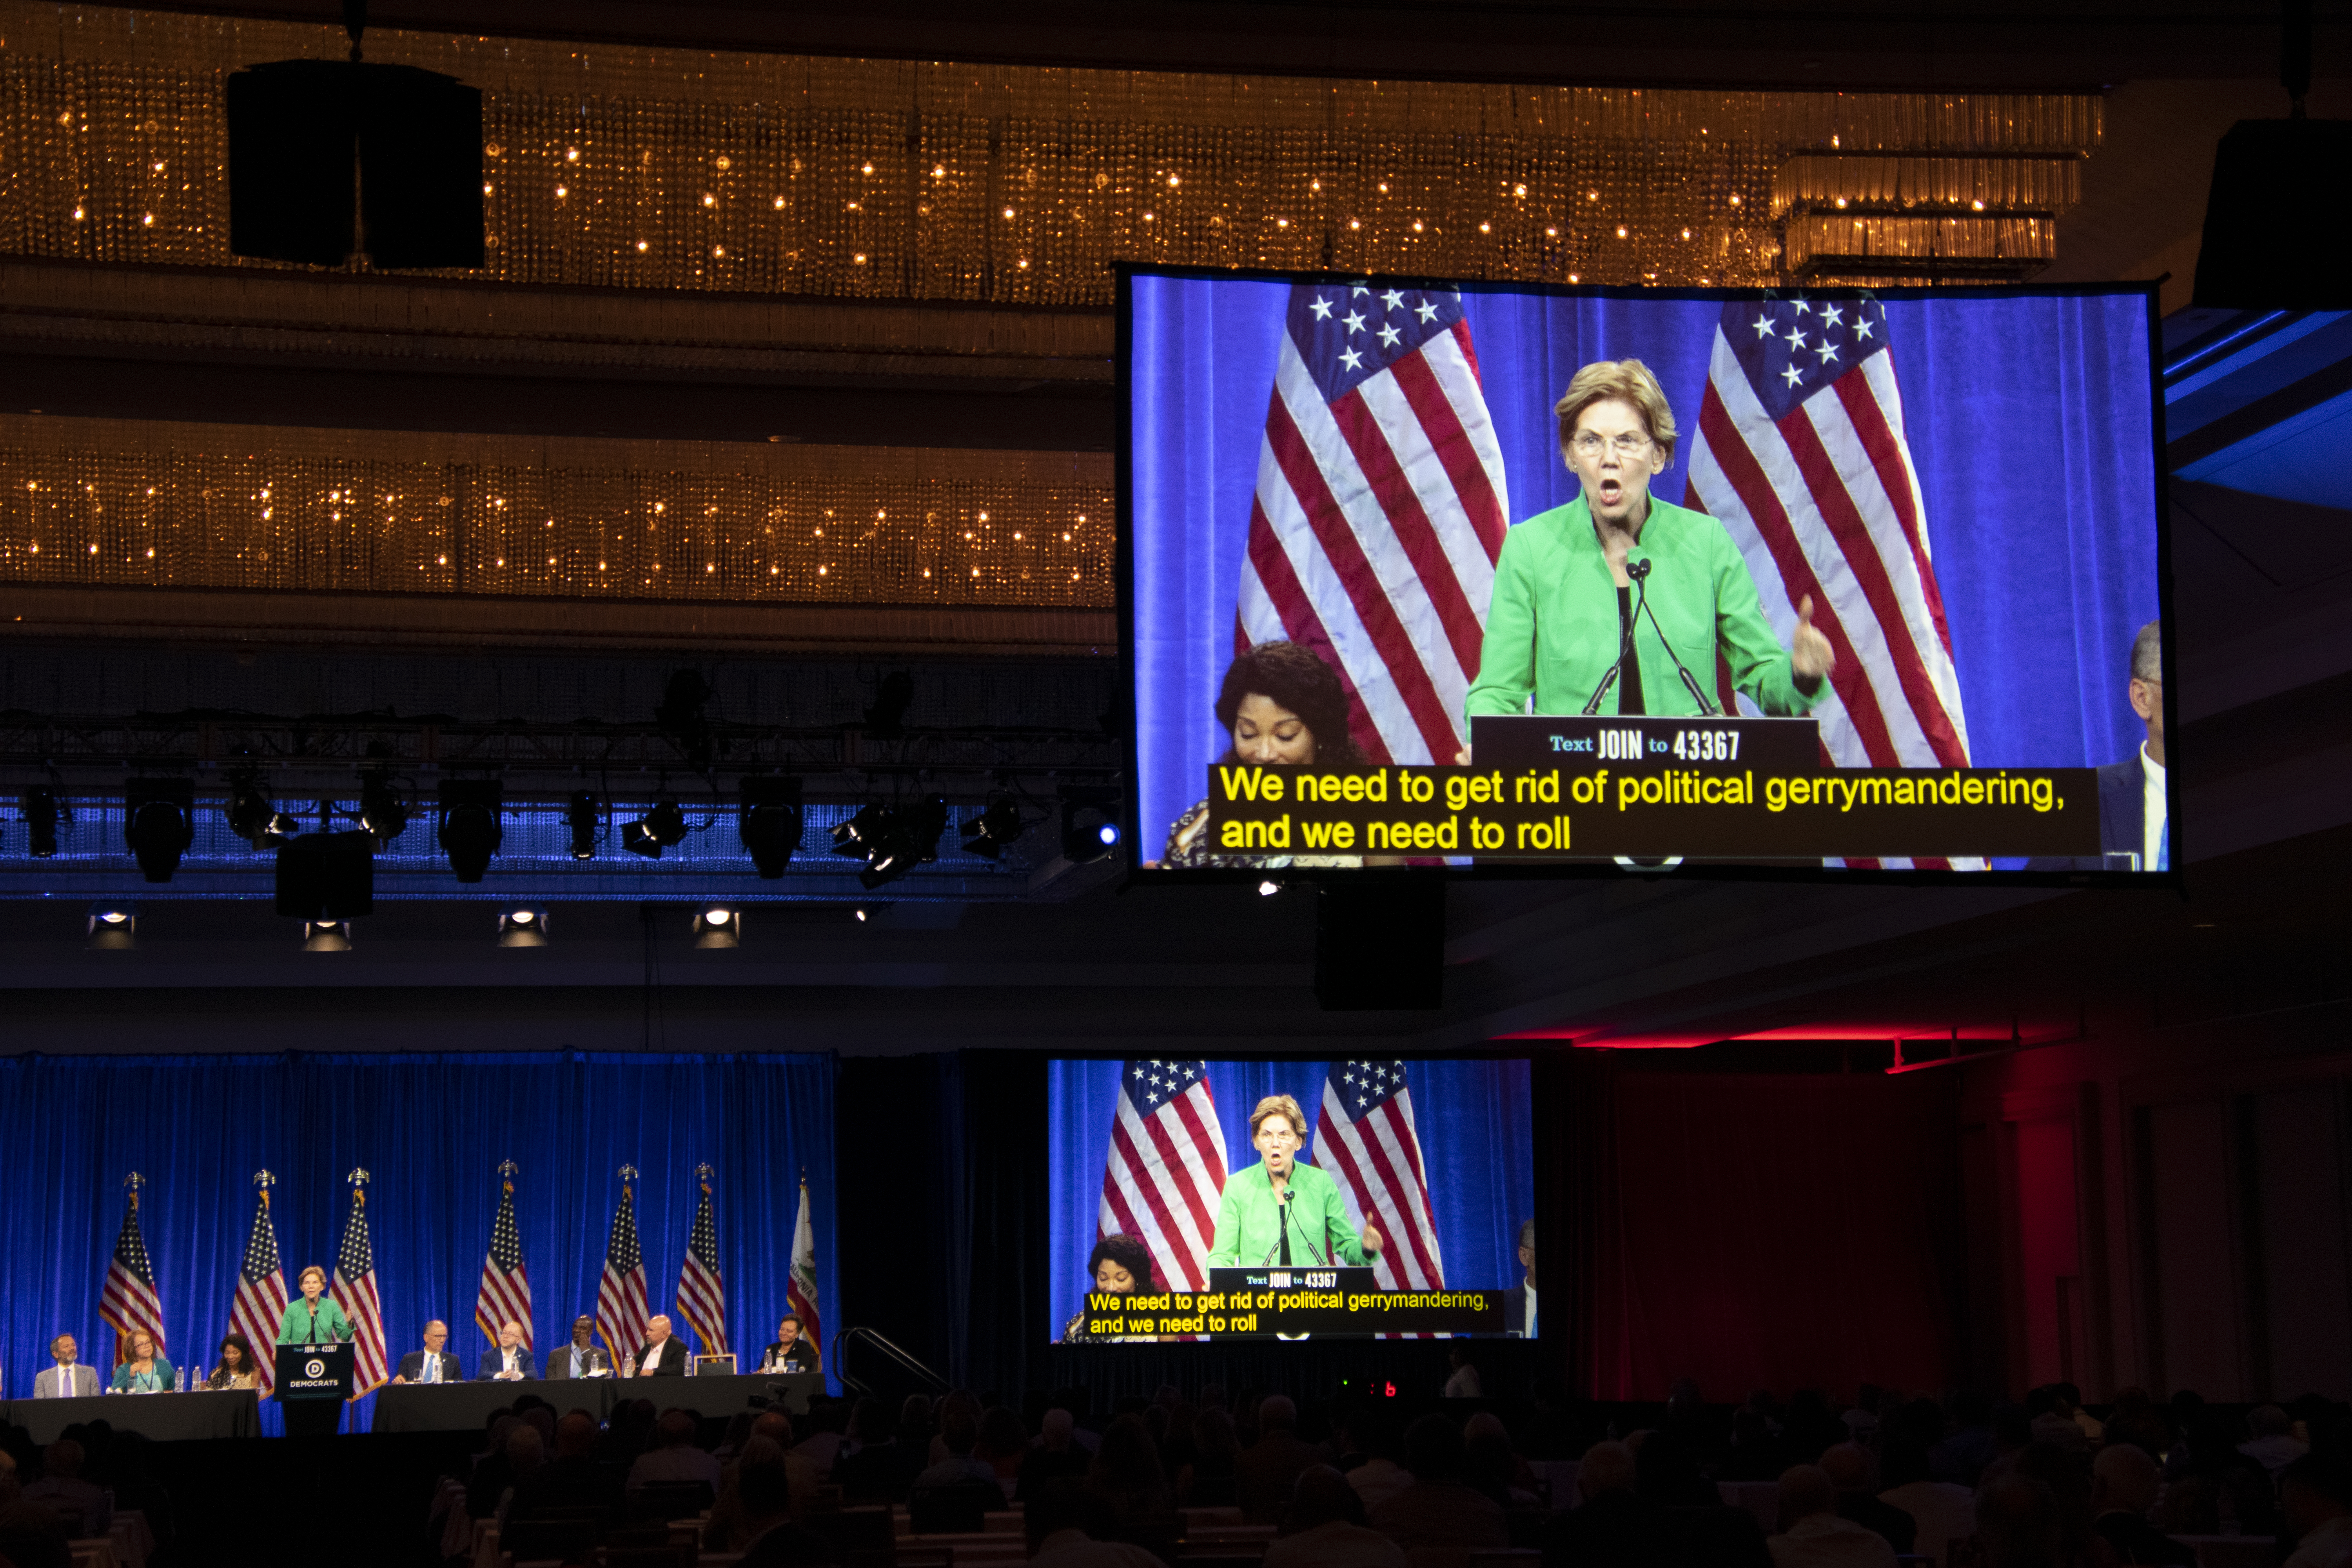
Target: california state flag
pixel 803 1289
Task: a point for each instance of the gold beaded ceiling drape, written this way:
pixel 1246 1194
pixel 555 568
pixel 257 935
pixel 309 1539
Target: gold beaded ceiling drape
pixel 664 172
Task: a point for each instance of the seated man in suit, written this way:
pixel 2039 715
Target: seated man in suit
pixel 789 1352
pixel 662 1354
pixel 1519 1300
pixel 69 1379
pixel 2133 815
pixel 580 1357
pixel 511 1362
pixel 432 1363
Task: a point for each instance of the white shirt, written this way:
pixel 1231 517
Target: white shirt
pixel 2151 808
pixel 1528 1328
pixel 2324 1545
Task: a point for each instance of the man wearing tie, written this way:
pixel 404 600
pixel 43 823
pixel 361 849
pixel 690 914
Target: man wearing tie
pixel 432 1363
pixel 69 1379
pixel 664 1354
pixel 579 1359
pixel 510 1362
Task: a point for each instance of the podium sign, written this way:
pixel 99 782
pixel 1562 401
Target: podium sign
pixel 314 1372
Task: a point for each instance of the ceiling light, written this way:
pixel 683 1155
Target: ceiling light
pixel 326 936
pixel 472 825
pixel 159 824
pixel 718 928
pixel 994 831
pixel 522 928
pixel 771 824
pixel 1089 823
pixel 581 818
pixel 657 830
pixel 112 925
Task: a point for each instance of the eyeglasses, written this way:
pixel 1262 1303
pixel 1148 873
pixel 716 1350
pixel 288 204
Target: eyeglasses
pixel 1627 445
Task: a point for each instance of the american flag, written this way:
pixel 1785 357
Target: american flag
pixel 260 1302
pixel 504 1295
pixel 621 1309
pixel 701 1290
pixel 801 1291
pixel 127 1300
pixel 354 1287
pixel 1800 455
pixel 1365 1138
pixel 1166 1168
pixel 1379 510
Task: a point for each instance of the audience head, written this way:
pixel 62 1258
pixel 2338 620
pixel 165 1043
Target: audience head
pixel 915 1413
pixel 762 1482
pixel 1065 1504
pixel 1323 1497
pixel 1905 1460
pixel 1434 1449
pixel 959 1432
pixel 541 1418
pixel 62 1460
pixel 1001 1434
pixel 575 1435
pixel 1848 1466
pixel 674 1429
pixel 526 1450
pixel 2123 1477
pixel 1607 1467
pixel 1213 1445
pixel 1056 1428
pixel 775 1426
pixel 2313 1489
pixel 2269 1421
pixel 1276 1413
pixel 2018 1524
pixel 1126 1465
pixel 1805 1490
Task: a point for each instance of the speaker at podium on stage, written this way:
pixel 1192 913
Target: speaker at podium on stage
pixel 314 1359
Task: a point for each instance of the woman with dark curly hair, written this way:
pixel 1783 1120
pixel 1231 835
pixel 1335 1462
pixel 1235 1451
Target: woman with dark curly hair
pixel 1282 706
pixel 1118 1266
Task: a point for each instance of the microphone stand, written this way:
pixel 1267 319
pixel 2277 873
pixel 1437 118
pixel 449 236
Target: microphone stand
pixel 1640 571
pixel 1625 645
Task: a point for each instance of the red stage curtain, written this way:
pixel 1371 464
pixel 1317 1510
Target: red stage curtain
pixel 1778 1231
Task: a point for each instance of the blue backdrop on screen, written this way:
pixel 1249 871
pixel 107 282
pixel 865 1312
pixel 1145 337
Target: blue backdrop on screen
pixel 431 1130
pixel 2028 419
pixel 1478 1144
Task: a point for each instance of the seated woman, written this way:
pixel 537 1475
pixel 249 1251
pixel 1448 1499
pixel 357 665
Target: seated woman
pixel 146 1370
pixel 1119 1266
pixel 237 1369
pixel 1282 706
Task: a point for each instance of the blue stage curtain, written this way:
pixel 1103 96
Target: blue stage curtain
pixel 1477 1145
pixel 2028 419
pixel 431 1130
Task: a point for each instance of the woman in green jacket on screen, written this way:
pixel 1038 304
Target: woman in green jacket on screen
pixel 1565 602
pixel 312 1320
pixel 1281 1212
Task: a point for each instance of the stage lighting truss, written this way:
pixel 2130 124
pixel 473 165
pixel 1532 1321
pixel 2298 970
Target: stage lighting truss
pixel 771 824
pixel 718 927
pixel 472 825
pixel 657 830
pixel 995 830
pixel 520 927
pixel 893 839
pixel 1089 823
pixel 582 818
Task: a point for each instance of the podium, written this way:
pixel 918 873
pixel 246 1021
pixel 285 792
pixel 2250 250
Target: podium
pixel 313 1382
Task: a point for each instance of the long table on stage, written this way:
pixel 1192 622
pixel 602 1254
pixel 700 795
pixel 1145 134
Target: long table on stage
pixel 161 1418
pixel 466 1407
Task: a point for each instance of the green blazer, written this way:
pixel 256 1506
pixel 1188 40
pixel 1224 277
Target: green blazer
pixel 1249 1222
pixel 1552 632
pixel 295 1329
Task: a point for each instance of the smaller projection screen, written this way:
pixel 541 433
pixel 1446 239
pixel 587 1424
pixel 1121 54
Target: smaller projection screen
pixel 1510 579
pixel 1217 1200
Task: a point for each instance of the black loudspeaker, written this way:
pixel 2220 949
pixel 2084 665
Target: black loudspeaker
pixel 311 143
pixel 2277 230
pixel 1380 942
pixel 327 876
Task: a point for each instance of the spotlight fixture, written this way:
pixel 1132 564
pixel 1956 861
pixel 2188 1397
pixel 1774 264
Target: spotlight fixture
pixel 994 831
pixel 250 814
pixel 159 824
pixel 893 840
pixel 327 877
pixel 113 925
pixel 382 811
pixel 42 814
pixel 581 818
pixel 771 824
pixel 661 828
pixel 472 825
pixel 326 936
pixel 718 928
pixel 522 928
pixel 1089 826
